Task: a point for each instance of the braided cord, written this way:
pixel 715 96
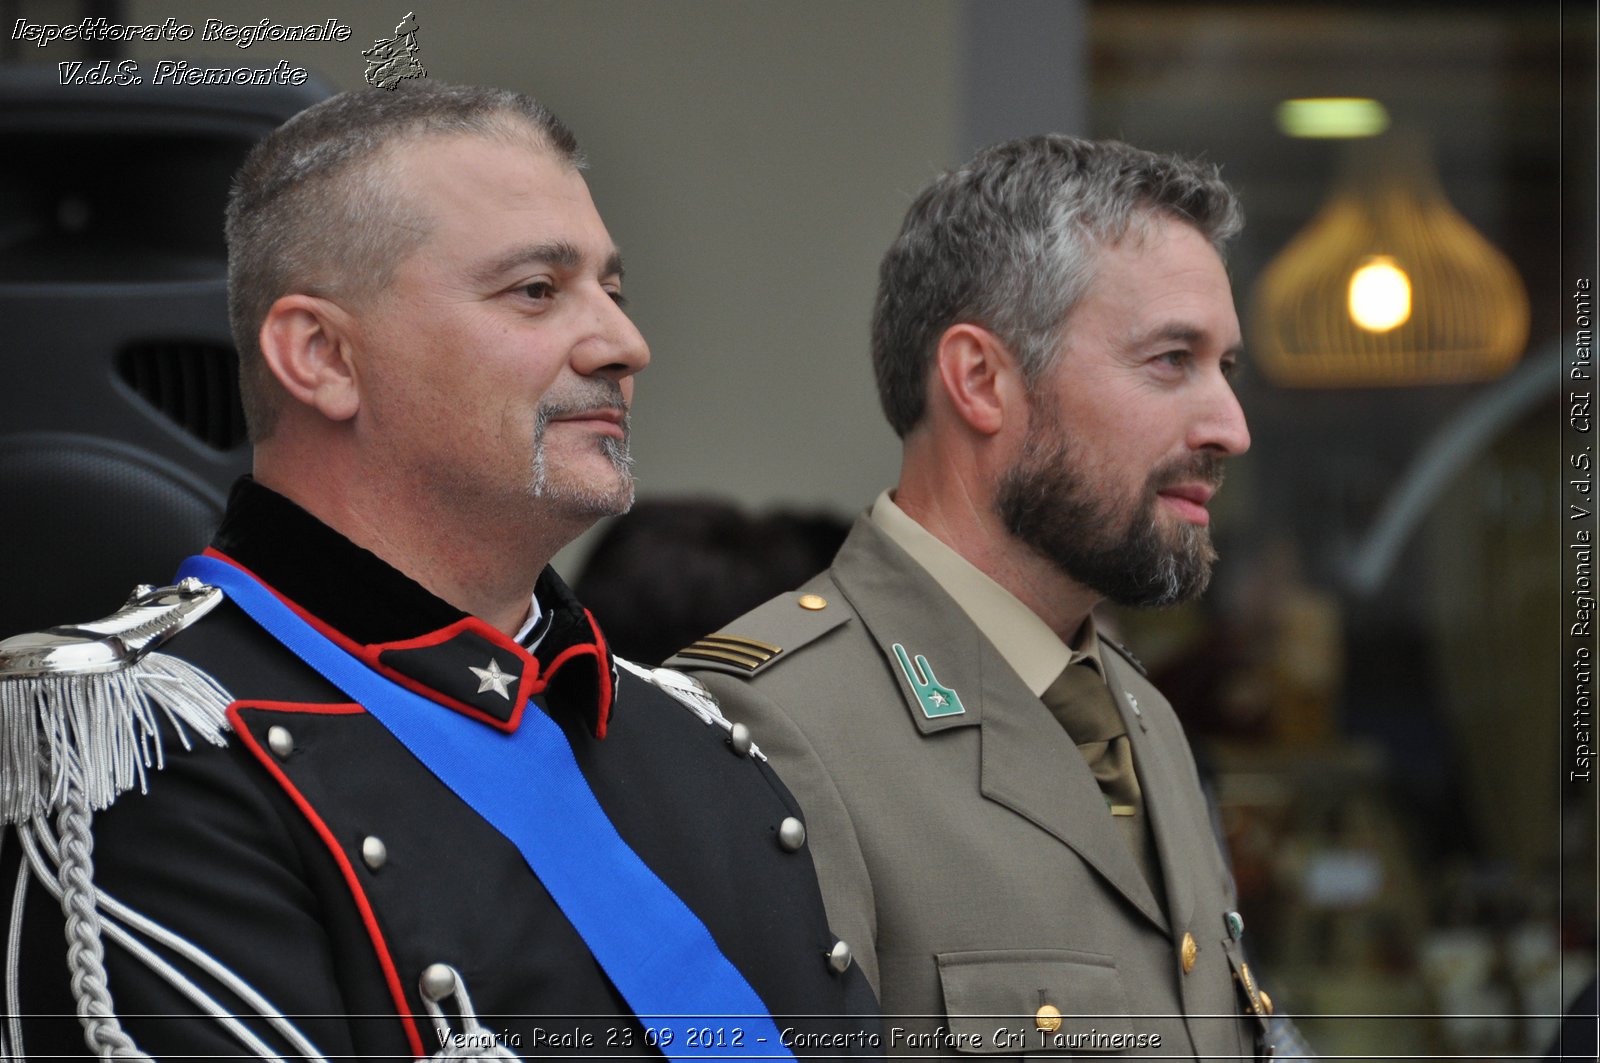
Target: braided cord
pixel 85 954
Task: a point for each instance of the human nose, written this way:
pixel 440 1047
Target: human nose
pixel 614 346
pixel 1221 425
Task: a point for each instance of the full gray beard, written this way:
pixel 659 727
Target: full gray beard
pixel 598 500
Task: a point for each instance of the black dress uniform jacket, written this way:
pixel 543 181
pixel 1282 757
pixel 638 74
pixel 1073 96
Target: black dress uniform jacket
pixel 330 878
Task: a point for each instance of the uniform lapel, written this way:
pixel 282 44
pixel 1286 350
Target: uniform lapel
pixel 1165 804
pixel 1029 765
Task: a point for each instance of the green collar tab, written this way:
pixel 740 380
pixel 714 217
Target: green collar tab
pixel 936 699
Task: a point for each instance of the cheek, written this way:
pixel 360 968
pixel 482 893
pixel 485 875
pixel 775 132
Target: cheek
pixel 1117 467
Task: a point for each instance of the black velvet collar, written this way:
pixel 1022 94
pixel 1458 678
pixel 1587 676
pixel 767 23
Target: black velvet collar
pixel 349 588
pixel 401 629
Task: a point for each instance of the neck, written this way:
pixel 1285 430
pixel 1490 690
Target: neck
pixel 959 511
pixel 485 567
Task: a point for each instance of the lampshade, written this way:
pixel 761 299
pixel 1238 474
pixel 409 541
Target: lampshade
pixel 1388 285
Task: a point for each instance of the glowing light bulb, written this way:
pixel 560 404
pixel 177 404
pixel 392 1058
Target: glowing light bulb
pixel 1380 295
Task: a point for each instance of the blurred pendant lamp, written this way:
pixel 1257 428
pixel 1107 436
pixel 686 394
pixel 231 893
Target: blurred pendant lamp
pixel 1388 285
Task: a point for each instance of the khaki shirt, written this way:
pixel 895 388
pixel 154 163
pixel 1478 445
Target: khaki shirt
pixel 1026 642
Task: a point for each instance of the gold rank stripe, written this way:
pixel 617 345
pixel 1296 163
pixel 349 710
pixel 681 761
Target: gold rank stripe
pixel 765 650
pixel 715 653
pixel 748 654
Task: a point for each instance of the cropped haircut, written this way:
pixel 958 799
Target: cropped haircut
pixel 1008 242
pixel 314 211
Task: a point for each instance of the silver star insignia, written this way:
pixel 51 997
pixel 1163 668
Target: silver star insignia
pixel 938 699
pixel 493 677
pixel 1133 702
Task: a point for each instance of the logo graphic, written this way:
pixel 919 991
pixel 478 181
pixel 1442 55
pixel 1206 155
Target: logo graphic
pixel 391 61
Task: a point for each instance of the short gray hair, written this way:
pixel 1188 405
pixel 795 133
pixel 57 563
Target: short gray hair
pixel 312 211
pixel 1008 242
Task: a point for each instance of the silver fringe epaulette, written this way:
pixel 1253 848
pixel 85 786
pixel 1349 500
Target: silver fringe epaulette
pixel 81 704
pixel 692 695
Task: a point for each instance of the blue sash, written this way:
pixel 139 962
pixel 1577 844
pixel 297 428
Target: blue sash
pixel 527 785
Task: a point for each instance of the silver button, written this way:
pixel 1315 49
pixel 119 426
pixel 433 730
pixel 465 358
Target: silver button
pixel 374 852
pixel 438 981
pixel 280 741
pixel 739 738
pixel 791 834
pixel 839 958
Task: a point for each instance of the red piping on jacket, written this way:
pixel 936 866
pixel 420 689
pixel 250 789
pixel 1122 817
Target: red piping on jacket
pixel 359 895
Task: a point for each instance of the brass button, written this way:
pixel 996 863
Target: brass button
pixel 280 741
pixel 1266 1001
pixel 791 834
pixel 1047 1018
pixel 813 602
pixel 1189 952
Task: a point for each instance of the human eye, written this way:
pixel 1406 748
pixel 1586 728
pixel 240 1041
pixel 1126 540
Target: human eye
pixel 537 290
pixel 1176 359
pixel 614 290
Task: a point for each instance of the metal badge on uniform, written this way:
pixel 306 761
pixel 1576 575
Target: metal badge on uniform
pixel 492 678
pixel 1133 703
pixel 1252 992
pixel 1256 999
pixel 1257 1005
pixel 936 699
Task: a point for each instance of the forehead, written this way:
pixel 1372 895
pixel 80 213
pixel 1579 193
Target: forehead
pixel 1162 269
pixel 472 193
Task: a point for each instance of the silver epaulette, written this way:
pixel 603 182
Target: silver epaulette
pixel 693 695
pixel 81 721
pixel 82 705
pixel 150 616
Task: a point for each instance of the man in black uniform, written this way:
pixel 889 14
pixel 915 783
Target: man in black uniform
pixel 399 798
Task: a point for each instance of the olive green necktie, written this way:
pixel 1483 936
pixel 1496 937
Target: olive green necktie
pixel 1081 701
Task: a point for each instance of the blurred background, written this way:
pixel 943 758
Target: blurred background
pixel 1378 684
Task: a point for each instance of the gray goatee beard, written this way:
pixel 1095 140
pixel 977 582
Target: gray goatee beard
pixel 594 499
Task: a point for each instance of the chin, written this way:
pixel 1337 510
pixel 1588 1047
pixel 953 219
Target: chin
pixel 586 499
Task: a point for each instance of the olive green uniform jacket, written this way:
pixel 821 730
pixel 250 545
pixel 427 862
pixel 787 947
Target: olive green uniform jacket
pixel 969 858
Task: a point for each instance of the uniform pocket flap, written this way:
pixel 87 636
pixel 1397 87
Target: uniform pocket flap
pixel 1010 1001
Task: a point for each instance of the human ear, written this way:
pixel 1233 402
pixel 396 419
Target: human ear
pixel 306 343
pixel 977 375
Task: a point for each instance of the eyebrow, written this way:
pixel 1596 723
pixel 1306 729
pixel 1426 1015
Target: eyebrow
pixel 557 253
pixel 1182 334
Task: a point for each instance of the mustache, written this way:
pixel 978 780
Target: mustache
pixel 1203 466
pixel 589 394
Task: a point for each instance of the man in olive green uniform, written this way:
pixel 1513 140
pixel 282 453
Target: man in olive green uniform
pixel 1004 813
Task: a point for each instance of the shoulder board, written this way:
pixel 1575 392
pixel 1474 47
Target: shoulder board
pixel 692 694
pixel 1127 654
pixel 148 618
pixel 768 633
pixel 81 703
